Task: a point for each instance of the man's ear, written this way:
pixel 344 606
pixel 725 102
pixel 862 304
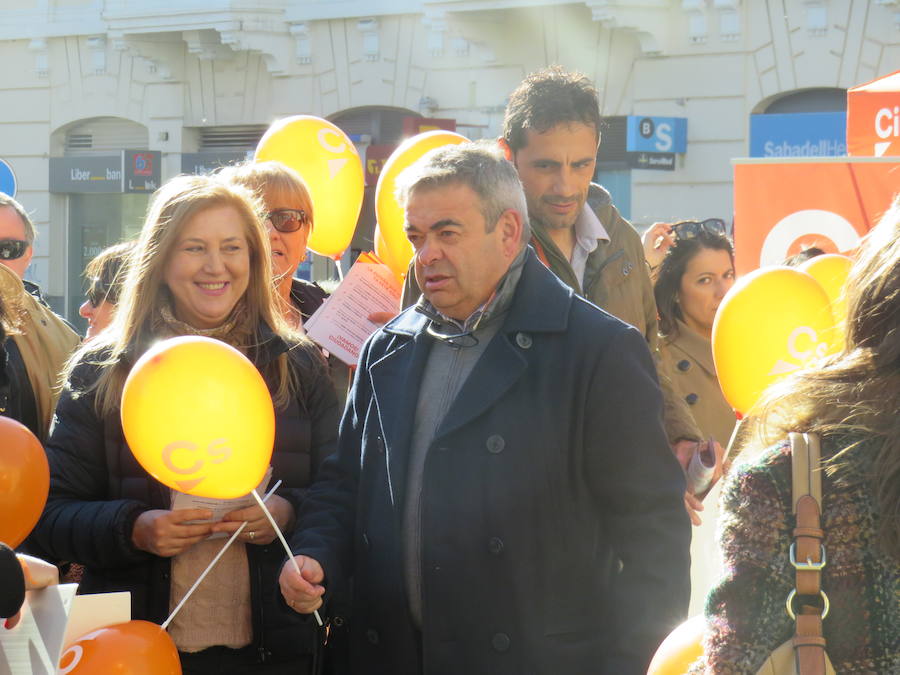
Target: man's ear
pixel 507 151
pixel 510 224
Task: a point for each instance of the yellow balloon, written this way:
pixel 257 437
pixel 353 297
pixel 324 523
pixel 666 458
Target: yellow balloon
pixel 772 322
pixel 329 163
pixel 831 271
pixel 680 649
pixel 384 253
pixel 198 417
pixel 387 209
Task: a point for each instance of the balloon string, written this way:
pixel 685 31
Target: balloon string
pixel 285 544
pixel 337 263
pixel 212 564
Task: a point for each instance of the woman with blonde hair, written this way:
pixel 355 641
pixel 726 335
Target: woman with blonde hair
pixel 200 267
pixel 851 402
pixel 289 222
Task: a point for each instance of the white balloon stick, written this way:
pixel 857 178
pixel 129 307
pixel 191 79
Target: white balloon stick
pixel 285 544
pixel 213 562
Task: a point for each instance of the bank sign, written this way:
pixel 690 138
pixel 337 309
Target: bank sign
pixel 653 142
pixel 821 134
pixel 131 171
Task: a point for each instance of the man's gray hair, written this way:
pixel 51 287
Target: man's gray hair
pixel 478 165
pixel 6 200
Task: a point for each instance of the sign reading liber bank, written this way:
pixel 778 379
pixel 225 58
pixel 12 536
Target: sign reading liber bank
pixel 134 171
pixel 799 135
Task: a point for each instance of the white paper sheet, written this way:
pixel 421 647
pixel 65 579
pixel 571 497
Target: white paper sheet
pixel 34 646
pixel 219 507
pixel 341 325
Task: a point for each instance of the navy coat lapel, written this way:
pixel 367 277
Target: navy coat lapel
pixel 395 386
pixel 506 358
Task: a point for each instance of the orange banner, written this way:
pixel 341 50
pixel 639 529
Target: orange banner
pixel 873 118
pixel 783 207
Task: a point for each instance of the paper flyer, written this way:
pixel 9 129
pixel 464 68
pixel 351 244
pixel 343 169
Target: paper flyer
pixel 341 325
pixel 219 507
pixel 34 646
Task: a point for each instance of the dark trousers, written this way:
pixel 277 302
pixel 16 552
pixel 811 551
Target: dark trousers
pixel 225 661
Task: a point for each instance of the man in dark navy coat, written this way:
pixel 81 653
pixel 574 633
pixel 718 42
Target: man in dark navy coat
pixel 503 494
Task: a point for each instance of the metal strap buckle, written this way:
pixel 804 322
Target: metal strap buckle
pixel 790 602
pixel 809 565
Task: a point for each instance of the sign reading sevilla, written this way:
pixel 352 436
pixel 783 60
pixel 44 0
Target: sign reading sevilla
pixel 873 118
pixel 784 206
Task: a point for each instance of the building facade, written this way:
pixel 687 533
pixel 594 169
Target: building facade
pixel 103 99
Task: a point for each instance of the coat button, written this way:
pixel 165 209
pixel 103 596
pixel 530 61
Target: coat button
pixel 500 642
pixel 523 340
pixel 372 636
pixel 684 364
pixel 691 398
pixel 495 444
pixel 337 621
pixel 495 545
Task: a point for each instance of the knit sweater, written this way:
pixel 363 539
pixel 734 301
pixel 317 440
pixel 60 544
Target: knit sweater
pixel 746 617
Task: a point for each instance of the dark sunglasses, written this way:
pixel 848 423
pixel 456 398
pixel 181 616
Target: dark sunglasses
pixel 10 249
pixel 688 229
pixel 288 220
pixel 96 294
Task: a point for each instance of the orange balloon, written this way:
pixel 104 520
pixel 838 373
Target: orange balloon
pixel 831 271
pixel 680 649
pixel 387 209
pixel 24 481
pixel 198 417
pixel 773 321
pixel 329 163
pixel 132 648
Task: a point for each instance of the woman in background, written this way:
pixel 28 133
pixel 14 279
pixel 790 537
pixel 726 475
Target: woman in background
pixel 104 274
pixel 694 275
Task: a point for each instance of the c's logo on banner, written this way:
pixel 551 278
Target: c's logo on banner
pixel 813 223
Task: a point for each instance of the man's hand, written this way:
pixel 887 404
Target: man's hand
pixel 302 592
pixel 259 529
pixel 166 534
pixel 381 318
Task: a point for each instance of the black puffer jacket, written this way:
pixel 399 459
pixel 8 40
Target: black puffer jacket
pixel 98 489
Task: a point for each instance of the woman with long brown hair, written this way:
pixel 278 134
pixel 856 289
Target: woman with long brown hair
pixel 852 402
pixel 200 267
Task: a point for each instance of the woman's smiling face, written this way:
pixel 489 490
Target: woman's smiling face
pixel 208 270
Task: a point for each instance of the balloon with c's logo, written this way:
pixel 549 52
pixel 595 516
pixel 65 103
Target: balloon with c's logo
pixel 772 322
pixel 198 417
pixel 387 210
pixel 131 648
pixel 328 161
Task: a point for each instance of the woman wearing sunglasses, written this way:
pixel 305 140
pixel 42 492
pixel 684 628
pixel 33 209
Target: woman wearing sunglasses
pixel 104 274
pixel 695 272
pixel 289 221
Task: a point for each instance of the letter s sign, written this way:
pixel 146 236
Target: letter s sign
pixel 664 136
